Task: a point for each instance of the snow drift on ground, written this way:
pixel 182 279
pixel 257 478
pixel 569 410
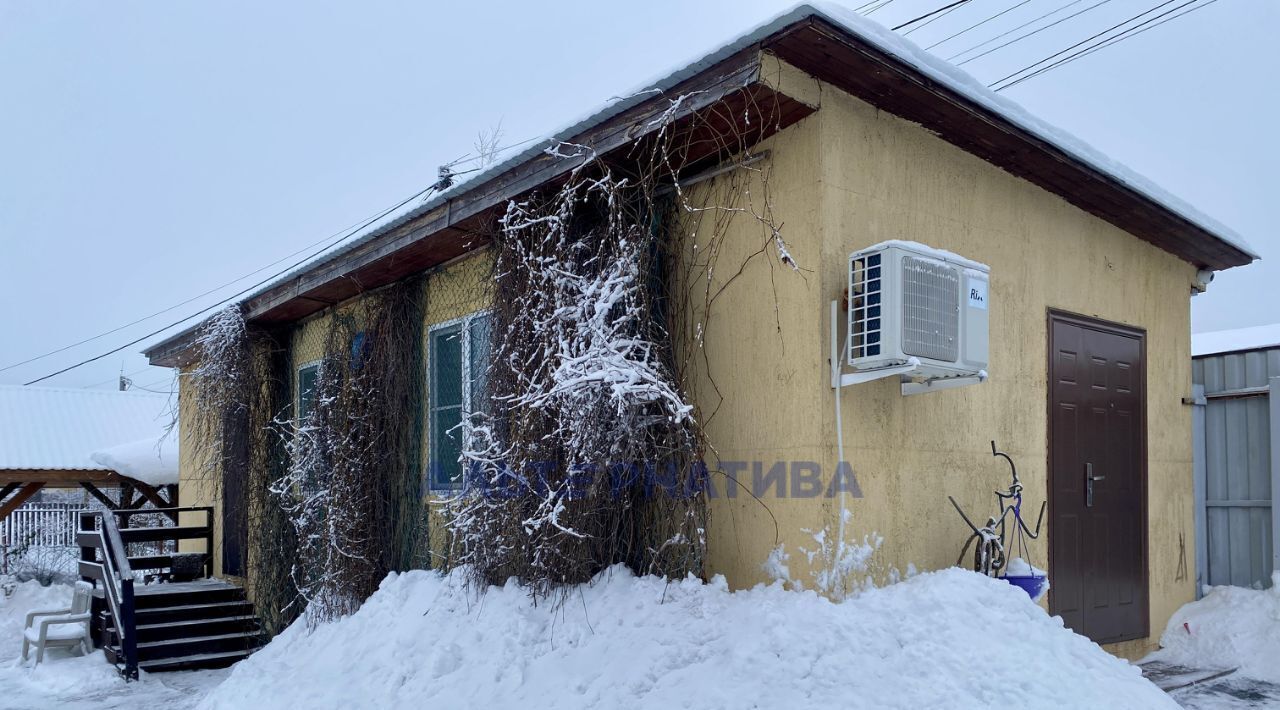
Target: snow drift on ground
pixel 26 597
pixel 69 681
pixel 153 461
pixel 1231 627
pixel 945 639
pixel 24 686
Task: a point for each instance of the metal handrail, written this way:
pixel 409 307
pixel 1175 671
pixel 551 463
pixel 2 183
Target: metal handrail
pixel 117 585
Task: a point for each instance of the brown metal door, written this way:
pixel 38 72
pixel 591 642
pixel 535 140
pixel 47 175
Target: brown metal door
pixel 1097 478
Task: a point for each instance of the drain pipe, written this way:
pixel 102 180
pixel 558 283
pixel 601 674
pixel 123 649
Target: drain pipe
pixel 836 356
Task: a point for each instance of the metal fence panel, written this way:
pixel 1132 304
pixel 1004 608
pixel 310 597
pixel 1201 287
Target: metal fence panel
pixel 1237 466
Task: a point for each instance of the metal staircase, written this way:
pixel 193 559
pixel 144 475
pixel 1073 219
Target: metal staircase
pixel 163 625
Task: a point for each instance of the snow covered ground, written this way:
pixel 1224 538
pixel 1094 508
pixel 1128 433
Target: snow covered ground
pixel 944 639
pixel 1231 627
pixel 67 680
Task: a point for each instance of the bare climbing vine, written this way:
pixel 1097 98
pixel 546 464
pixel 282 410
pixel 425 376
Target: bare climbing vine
pixel 590 449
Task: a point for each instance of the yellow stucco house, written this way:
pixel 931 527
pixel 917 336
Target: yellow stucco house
pixel 863 139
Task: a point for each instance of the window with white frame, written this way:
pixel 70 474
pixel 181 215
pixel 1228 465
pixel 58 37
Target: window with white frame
pixel 457 364
pixel 307 376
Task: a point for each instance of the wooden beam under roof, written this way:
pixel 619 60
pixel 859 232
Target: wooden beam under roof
pixel 814 45
pixel 849 62
pixel 457 226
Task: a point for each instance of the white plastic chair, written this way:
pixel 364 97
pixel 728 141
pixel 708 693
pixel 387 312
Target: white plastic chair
pixel 66 628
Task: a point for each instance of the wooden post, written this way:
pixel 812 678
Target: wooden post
pixel 1274 397
pixel 1199 487
pixel 129 639
pixel 22 496
pixel 149 493
pixel 4 492
pixel 99 495
pixel 208 542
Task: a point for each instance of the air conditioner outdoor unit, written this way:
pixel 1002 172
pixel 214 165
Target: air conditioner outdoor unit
pixel 910 303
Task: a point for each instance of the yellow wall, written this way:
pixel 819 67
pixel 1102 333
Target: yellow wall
pixel 460 289
pixel 850 176
pixel 844 178
pixel 197 486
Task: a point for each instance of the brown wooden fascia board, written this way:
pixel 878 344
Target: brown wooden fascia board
pixel 58 476
pixel 994 138
pixel 735 73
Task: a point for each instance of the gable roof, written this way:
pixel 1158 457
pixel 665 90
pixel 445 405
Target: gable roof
pixel 1261 337
pixel 57 429
pixel 828 41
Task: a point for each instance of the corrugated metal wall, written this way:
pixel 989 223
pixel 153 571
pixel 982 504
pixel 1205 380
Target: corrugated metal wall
pixel 1238 445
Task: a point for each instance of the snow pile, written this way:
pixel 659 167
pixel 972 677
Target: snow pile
pixel 26 597
pixel 945 639
pixel 69 681
pixel 1231 627
pixel 59 674
pixel 153 461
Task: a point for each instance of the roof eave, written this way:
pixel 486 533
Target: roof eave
pixel 812 40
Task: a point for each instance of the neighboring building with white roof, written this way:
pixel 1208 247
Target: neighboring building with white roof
pixel 49 437
pixel 1260 337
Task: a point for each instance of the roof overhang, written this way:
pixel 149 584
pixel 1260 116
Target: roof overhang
pixel 715 100
pixel 833 54
pixel 62 477
pixel 809 38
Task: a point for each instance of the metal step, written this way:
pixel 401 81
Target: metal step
pixel 186 612
pixel 185 628
pixel 190 646
pixel 218 643
pixel 181 594
pixel 195 661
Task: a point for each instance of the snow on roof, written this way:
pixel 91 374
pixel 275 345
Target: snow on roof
pixel 54 428
pixel 1227 341
pixel 153 460
pixel 893 44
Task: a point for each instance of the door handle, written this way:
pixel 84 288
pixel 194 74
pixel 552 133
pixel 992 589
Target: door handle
pixel 1089 478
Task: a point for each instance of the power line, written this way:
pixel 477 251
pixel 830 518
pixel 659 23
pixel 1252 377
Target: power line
pixel 116 378
pixel 1090 39
pixel 877 8
pixel 945 10
pixel 1127 34
pixel 1006 33
pixel 931 14
pixel 147 388
pixel 265 281
pixel 336 235
pixel 977 25
pixel 342 235
pixel 328 241
pixel 1033 33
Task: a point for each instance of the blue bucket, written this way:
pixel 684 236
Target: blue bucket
pixel 1033 585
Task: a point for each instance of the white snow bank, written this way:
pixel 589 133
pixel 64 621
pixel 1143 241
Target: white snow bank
pixel 69 681
pixel 153 461
pixel 1231 627
pixel 932 66
pixel 950 639
pixel 26 597
pixel 24 686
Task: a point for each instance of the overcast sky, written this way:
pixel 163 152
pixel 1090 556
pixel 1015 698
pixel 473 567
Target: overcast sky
pixel 153 151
